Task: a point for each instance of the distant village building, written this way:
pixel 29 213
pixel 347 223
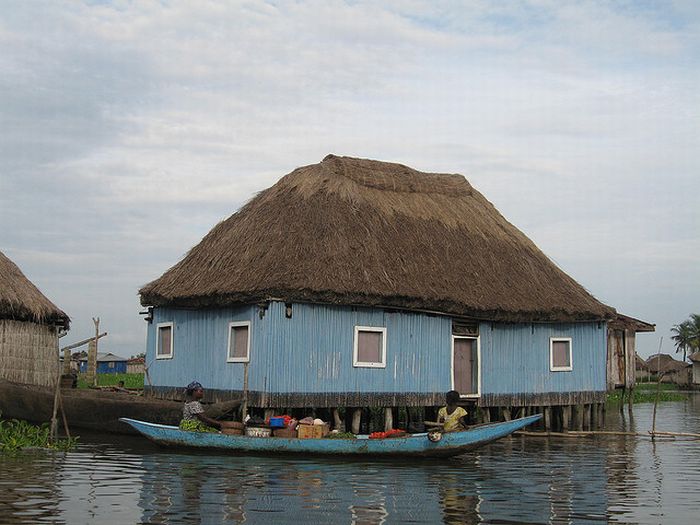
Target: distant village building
pixel 107 363
pixel 358 283
pixel 642 373
pixel 135 365
pixel 622 367
pixel 695 358
pixel 673 371
pixel 29 329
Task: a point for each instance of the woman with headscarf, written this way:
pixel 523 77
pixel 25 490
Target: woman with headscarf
pixel 193 417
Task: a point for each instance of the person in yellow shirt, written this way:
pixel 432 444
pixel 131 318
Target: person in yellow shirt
pixel 452 416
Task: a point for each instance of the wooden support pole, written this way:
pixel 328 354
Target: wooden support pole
pixel 388 419
pixel 485 415
pixel 587 408
pixel 244 406
pixel 565 418
pixel 506 414
pixel 337 422
pixel 356 420
pixel 92 362
pixel 547 418
pixel 578 417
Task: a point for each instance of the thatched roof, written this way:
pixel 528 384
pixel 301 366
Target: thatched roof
pixel 664 363
pixel 363 232
pixel 20 300
pixel 695 357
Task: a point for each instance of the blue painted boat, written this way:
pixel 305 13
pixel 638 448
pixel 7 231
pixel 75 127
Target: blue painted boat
pixel 449 444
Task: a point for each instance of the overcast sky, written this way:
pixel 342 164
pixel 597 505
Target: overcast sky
pixel 128 130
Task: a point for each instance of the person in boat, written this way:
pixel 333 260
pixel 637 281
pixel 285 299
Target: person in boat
pixel 120 387
pixel 193 417
pixel 453 417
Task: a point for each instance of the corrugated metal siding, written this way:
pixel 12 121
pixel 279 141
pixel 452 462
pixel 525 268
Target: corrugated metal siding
pixel 515 358
pixel 313 352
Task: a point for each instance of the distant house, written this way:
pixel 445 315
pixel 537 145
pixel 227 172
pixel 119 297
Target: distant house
pixel 695 358
pixel 641 369
pixel 135 365
pixel 30 325
pixel 355 283
pixel 673 371
pixel 107 363
pixel 622 352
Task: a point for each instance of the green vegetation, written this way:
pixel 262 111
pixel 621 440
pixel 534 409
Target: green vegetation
pixel 16 435
pixel 341 435
pixel 646 393
pixel 130 380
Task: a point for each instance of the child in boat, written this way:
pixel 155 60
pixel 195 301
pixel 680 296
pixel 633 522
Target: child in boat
pixel 453 417
pixel 193 417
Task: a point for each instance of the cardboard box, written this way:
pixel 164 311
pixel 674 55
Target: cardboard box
pixel 312 431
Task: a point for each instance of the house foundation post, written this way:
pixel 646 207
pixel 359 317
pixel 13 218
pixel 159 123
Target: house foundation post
pixel 388 419
pixel 356 420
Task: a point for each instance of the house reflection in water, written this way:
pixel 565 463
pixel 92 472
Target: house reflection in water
pixel 501 486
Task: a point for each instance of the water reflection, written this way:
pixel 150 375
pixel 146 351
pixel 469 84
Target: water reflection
pixel 519 480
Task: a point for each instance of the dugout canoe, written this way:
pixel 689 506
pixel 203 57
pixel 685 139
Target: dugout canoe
pixel 414 445
pixel 93 409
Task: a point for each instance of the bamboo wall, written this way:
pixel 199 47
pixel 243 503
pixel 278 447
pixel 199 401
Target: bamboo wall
pixel 28 352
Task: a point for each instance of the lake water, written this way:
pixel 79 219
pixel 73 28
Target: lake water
pixel 116 479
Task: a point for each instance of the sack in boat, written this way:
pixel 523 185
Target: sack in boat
pixel 232 431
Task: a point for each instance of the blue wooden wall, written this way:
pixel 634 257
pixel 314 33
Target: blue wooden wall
pixel 313 352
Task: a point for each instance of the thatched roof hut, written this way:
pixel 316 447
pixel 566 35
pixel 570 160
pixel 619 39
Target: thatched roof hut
pixel 362 232
pixel 20 300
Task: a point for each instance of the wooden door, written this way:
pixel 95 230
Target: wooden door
pixel 466 365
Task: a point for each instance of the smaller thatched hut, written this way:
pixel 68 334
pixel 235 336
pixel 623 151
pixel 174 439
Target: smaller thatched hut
pixel 29 329
pixel 673 371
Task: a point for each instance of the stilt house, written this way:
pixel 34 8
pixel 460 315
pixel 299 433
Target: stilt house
pixel 29 329
pixel 355 283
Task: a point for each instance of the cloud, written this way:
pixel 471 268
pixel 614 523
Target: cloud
pixel 123 123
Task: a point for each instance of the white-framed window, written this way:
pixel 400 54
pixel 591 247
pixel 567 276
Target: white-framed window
pixel 238 342
pixel 369 347
pixel 466 365
pixel 560 355
pixel 165 333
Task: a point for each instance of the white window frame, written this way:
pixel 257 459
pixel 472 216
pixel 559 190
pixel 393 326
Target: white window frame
pixel 160 355
pixel 553 368
pixel 229 357
pixel 478 358
pixel 355 349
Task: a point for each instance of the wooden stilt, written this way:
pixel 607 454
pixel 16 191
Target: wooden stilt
pixel 356 420
pixel 388 419
pixel 587 417
pixel 337 422
pixel 578 417
pixel 594 416
pixel 506 414
pixel 485 415
pixel 547 418
pixel 565 418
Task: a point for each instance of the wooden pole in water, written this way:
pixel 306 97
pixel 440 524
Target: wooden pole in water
pixel 388 419
pixel 658 388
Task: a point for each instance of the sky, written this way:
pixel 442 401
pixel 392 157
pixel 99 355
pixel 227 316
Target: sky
pixel 129 129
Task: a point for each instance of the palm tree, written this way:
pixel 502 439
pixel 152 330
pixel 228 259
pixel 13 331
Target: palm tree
pixel 685 336
pixel 695 320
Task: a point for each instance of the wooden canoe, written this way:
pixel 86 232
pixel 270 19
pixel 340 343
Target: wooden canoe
pixel 414 445
pixel 93 409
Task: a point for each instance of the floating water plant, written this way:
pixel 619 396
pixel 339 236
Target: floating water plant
pixel 16 435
